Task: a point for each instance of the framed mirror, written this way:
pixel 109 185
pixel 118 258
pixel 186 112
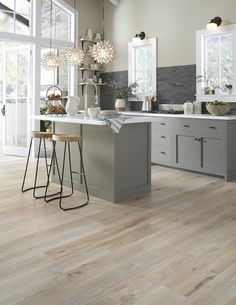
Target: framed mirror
pixel 142 59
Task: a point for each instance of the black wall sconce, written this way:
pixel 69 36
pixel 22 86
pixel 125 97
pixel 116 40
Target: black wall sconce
pixel 139 36
pixel 214 23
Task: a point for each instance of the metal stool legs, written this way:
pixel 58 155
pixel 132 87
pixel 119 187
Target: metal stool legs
pixel 23 189
pixel 61 177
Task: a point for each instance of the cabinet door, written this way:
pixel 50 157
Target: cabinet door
pixel 213 155
pixel 188 152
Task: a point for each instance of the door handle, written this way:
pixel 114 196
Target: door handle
pixel 3 110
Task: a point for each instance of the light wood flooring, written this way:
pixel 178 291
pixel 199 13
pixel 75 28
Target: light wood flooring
pixel 174 246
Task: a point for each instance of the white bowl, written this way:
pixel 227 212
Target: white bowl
pixel 94 112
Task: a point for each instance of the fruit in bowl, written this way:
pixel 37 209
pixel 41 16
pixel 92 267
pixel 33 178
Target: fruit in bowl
pixel 218 107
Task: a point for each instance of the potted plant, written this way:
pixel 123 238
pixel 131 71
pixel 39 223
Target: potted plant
pixel 122 93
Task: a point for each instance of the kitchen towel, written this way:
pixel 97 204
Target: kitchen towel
pixel 115 123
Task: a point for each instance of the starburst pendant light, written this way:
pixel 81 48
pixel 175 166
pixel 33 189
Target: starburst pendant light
pixel 50 60
pixel 74 56
pixel 103 52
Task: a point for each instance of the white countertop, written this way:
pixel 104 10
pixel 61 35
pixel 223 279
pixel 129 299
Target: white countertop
pixel 79 119
pixel 193 116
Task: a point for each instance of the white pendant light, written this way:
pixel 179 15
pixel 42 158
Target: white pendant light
pixel 102 52
pixel 50 60
pixel 74 56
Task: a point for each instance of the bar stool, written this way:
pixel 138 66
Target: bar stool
pixel 41 135
pixel 67 139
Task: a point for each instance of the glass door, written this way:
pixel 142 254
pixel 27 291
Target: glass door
pixel 16 97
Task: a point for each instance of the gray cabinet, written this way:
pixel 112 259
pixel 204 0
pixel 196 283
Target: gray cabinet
pixel 213 160
pixel 161 141
pixel 188 153
pixel 202 145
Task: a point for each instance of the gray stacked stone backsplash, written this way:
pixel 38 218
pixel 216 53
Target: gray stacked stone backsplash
pixel 175 85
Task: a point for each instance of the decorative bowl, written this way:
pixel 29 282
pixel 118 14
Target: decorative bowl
pixel 218 108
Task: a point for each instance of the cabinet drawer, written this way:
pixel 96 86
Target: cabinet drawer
pixel 212 127
pixel 186 125
pixel 161 124
pixel 160 155
pixel 160 139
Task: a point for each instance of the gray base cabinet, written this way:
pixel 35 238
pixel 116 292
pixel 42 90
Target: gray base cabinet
pixel 213 155
pixel 202 145
pixel 117 167
pixel 188 152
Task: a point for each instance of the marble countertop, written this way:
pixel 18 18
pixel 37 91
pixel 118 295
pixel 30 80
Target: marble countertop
pixel 79 119
pixel 193 116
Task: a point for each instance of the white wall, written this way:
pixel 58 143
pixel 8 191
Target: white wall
pixel 173 22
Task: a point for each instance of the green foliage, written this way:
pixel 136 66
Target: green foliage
pixel 122 91
pixel 47 124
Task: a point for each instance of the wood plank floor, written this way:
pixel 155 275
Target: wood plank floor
pixel 174 246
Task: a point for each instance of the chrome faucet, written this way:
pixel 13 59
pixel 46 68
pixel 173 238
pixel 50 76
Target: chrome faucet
pixel 86 97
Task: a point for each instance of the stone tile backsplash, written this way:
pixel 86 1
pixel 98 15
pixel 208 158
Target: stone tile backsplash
pixel 175 85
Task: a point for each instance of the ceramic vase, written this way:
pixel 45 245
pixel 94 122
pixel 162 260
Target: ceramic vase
pixel 120 104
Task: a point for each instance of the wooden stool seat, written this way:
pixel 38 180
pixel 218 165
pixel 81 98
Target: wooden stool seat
pixel 41 134
pixel 66 138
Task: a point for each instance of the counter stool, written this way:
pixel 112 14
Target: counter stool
pixel 67 139
pixel 41 135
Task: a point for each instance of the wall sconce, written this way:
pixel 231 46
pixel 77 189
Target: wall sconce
pixel 214 24
pixel 139 37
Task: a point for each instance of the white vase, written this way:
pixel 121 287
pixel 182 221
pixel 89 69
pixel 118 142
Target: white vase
pixel 72 105
pixel 120 104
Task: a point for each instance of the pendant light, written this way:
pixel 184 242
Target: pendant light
pixel 74 56
pixel 50 60
pixel 103 51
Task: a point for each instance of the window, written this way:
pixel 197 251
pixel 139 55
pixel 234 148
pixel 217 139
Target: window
pixel 61 22
pixel 142 66
pixel 15 16
pixel 21 92
pixel 216 63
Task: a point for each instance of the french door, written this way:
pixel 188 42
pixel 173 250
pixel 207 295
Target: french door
pixel 16 97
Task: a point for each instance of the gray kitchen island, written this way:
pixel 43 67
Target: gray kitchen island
pixel 117 166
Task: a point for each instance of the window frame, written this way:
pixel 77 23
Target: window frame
pixel 132 46
pixel 200 53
